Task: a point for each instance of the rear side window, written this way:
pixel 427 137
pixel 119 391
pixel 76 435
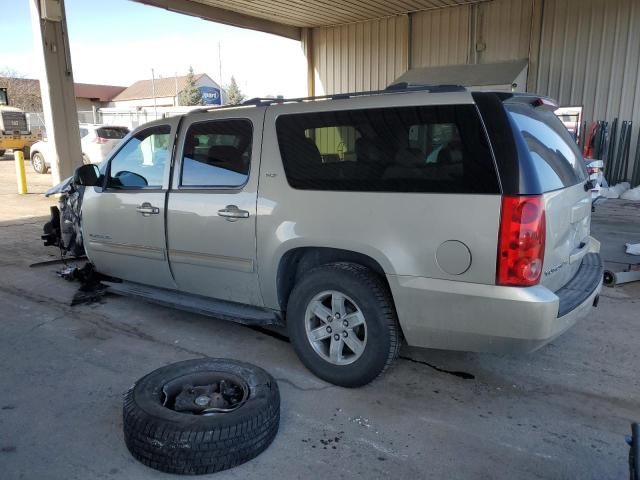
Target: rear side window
pixel 217 154
pixel 112 133
pixel 407 149
pixel 555 155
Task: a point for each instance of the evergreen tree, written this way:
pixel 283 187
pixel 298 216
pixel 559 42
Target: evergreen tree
pixel 234 95
pixel 190 95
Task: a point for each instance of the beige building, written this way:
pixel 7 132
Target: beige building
pixel 164 92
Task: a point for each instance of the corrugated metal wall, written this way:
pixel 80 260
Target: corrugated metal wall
pixel 582 52
pixel 488 32
pixel 504 27
pixel 441 37
pixel 369 55
pixel 484 33
pixel 360 56
pixel 590 55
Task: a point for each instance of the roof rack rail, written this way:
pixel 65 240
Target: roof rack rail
pixel 394 88
pixel 407 86
pixel 263 100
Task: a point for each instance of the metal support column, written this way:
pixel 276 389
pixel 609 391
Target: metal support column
pixel 51 44
pixel 307 47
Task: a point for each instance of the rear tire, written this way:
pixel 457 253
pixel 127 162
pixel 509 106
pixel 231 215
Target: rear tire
pixel 366 335
pixel 2 153
pixel 38 164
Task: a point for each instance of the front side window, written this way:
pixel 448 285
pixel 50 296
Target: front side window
pixel 142 161
pixel 406 149
pixel 217 154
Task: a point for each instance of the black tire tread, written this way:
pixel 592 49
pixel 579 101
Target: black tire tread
pixel 383 303
pixel 201 449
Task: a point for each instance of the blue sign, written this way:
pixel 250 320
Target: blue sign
pixel 210 95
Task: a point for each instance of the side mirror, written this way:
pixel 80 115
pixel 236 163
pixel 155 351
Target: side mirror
pixel 87 175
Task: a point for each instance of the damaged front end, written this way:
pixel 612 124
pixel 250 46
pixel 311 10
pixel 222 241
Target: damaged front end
pixel 64 229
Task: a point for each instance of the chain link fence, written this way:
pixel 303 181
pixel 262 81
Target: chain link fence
pixel 130 118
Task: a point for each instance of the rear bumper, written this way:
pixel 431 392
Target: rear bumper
pixel 488 318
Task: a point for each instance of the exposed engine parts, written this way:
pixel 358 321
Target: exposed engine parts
pixel 64 228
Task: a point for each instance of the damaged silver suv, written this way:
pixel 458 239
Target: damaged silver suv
pixel 456 220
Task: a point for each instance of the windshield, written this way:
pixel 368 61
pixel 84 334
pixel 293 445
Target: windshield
pixel 555 154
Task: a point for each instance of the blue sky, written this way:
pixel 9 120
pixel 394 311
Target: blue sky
pixel 119 41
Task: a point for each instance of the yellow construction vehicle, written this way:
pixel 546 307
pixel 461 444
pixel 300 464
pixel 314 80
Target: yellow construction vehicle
pixel 14 129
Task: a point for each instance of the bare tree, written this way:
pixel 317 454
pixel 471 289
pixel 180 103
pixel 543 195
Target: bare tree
pixel 24 93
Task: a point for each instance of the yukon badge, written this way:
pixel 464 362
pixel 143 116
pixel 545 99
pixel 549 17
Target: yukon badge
pixel 553 270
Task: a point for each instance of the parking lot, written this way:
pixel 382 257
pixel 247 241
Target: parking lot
pixel 561 412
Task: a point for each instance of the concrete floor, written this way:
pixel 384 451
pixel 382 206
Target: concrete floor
pixel 560 413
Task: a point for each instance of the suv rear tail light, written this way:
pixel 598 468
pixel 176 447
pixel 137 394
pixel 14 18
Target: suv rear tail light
pixel 100 140
pixel 592 170
pixel 521 241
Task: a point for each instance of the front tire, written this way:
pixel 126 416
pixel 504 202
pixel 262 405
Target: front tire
pixel 342 323
pixel 38 164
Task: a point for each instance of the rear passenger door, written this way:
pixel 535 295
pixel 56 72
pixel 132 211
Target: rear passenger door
pixel 211 221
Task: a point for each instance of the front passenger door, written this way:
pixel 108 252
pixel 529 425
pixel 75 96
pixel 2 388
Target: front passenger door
pixel 124 224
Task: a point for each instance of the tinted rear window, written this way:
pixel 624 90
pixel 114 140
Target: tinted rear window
pixel 555 155
pixel 112 133
pixel 409 149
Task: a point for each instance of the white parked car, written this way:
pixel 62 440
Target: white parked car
pixel 96 142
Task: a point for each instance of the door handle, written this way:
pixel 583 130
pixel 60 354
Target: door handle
pixel 233 213
pixel 147 209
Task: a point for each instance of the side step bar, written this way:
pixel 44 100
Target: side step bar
pixel 231 311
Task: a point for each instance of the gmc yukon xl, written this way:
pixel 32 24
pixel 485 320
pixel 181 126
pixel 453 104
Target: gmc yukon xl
pixel 454 220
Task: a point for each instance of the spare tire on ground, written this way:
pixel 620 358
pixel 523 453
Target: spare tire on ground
pixel 201 416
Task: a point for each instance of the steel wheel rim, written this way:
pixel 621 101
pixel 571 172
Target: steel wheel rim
pixel 37 162
pixel 335 327
pixel 204 393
